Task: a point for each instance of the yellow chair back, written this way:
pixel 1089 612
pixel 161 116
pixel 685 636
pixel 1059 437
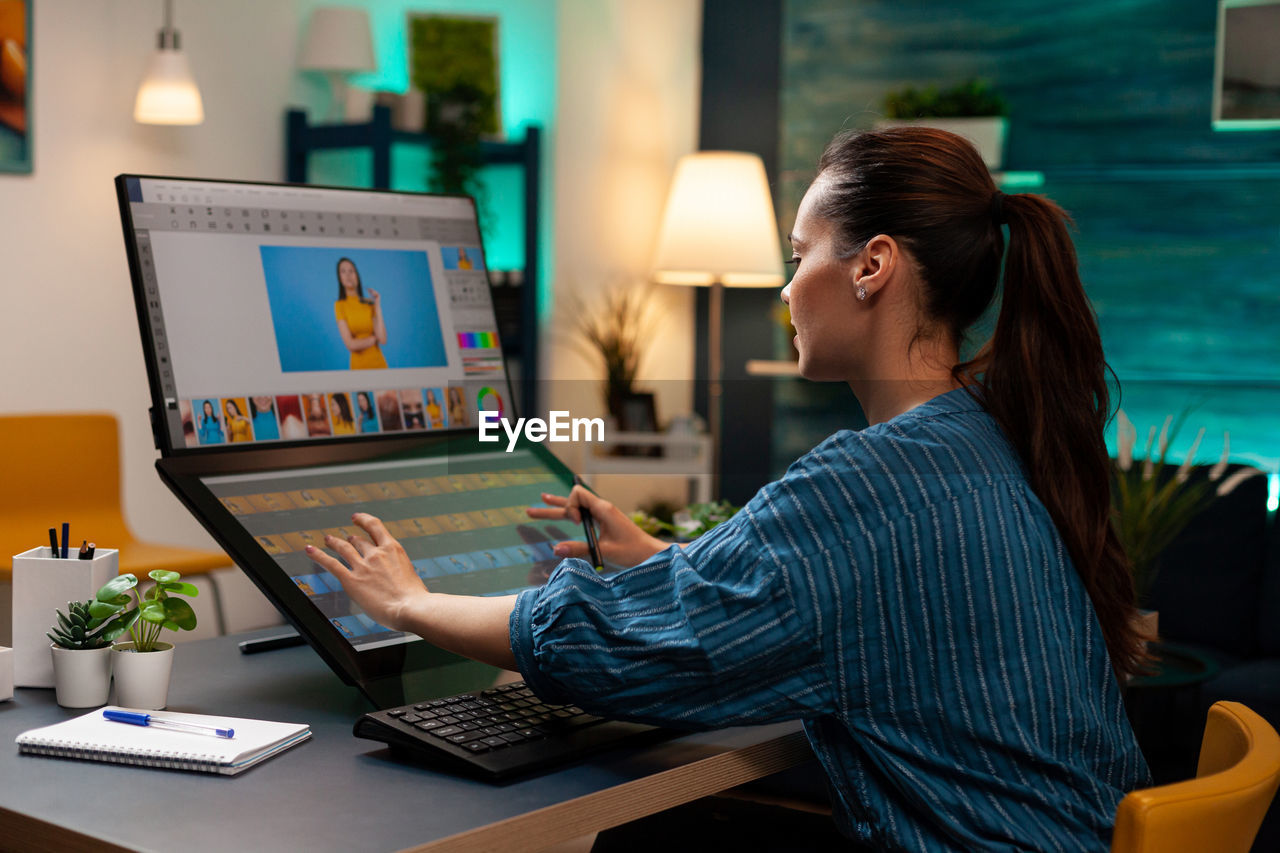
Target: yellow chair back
pixel 66 467
pixel 1222 808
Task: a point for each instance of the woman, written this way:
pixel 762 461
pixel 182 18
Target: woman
pixel 365 414
pixel 434 416
pixel 238 426
pixel 210 424
pixel 340 415
pixel 317 416
pixel 360 320
pixel 457 407
pixel 940 596
pixel 263 411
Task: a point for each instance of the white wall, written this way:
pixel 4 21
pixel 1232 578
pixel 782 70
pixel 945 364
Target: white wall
pixel 627 109
pixel 71 341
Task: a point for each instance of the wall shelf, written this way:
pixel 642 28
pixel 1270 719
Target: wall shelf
pixel 377 136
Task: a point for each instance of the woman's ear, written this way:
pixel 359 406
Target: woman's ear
pixel 876 263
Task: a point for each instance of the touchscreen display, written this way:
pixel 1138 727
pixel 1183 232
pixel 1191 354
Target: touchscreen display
pixel 462 521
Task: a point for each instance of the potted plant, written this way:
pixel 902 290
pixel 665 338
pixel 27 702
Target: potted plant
pixel 686 524
pixel 616 333
pixel 142 667
pixel 971 109
pixel 1151 505
pixel 82 655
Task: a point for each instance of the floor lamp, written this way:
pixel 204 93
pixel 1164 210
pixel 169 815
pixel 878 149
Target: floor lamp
pixel 718 230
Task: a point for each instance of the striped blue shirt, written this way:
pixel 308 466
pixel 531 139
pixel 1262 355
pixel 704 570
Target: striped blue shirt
pixel 903 591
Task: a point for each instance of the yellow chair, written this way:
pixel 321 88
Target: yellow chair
pixel 1222 808
pixel 66 467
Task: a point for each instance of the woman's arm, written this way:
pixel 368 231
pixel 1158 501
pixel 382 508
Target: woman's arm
pixel 382 581
pixel 353 343
pixel 379 325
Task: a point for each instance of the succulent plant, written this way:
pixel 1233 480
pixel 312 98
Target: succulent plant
pixel 77 629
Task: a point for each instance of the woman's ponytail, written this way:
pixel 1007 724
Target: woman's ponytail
pixel 1045 381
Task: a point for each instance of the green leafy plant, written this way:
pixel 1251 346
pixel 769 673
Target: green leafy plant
pixel 616 331
pixel 1150 505
pixel 970 98
pixel 454 62
pixel 78 629
pixel 689 523
pixel 143 616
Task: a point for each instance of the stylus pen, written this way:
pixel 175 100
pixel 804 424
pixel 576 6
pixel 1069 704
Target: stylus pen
pixel 66 538
pixel 53 542
pixel 589 525
pixel 137 718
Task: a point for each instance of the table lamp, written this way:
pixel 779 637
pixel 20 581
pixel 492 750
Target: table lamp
pixel 168 94
pixel 718 230
pixel 338 44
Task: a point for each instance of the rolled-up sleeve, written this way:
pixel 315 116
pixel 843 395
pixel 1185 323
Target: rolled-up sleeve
pixel 707 636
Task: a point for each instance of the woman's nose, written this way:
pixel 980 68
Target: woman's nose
pixel 786 295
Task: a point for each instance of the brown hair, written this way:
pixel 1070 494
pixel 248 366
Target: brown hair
pixel 1042 373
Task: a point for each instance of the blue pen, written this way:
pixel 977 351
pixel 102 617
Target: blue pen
pixel 66 537
pixel 137 718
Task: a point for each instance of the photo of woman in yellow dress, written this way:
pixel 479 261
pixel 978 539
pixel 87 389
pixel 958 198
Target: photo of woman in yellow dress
pixel 238 426
pixel 359 319
pixel 340 415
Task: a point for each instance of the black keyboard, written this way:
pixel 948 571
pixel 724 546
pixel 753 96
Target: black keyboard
pixel 497 733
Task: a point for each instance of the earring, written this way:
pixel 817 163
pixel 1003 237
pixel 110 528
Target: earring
pixel 862 293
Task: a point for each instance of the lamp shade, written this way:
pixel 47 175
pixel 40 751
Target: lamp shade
pixel 718 225
pixel 338 39
pixel 168 94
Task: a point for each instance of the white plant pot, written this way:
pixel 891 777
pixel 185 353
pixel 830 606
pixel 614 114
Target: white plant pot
pixel 142 678
pixel 81 677
pixel 987 133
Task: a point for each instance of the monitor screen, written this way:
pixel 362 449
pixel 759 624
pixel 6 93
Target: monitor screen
pixel 460 518
pixel 276 314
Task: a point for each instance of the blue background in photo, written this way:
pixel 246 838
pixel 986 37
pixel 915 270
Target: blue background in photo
pixel 302 287
pixel 449 254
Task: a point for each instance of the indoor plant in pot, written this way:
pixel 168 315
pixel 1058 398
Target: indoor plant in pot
pixel 82 655
pixel 142 666
pixel 971 109
pixel 1151 504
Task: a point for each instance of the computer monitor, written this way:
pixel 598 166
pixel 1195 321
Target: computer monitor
pixel 275 313
pixel 316 351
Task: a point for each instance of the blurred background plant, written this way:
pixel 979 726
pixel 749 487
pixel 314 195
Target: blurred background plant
pixel 971 98
pixel 1152 504
pixel 684 524
pixel 615 331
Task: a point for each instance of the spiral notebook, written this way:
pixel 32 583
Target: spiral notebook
pixel 93 738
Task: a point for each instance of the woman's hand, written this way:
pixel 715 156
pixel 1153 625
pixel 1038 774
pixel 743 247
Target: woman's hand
pixel 375 297
pixel 380 579
pixel 621 541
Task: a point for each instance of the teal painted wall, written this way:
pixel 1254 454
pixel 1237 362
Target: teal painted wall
pixel 1179 226
pixel 527 67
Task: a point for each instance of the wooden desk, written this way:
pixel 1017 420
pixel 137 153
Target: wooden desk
pixel 336 792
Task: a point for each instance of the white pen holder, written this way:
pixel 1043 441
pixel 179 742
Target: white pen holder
pixel 6 673
pixel 42 585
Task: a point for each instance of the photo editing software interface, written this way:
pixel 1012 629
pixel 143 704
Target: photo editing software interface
pixel 462 521
pixel 285 313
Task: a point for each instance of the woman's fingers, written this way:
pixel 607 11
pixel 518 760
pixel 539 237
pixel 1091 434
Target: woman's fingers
pixel 374 527
pixel 572 549
pixel 362 545
pixel 344 549
pixel 334 567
